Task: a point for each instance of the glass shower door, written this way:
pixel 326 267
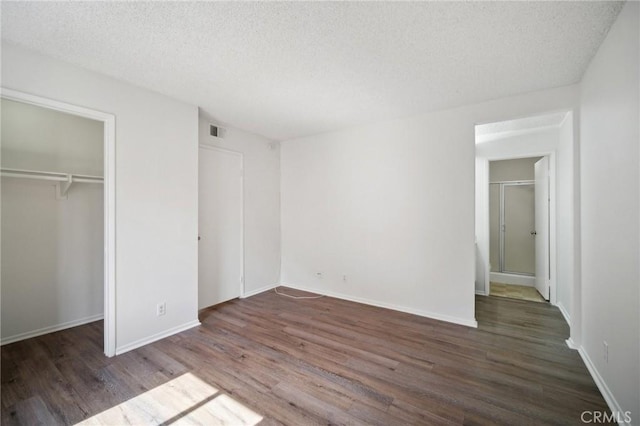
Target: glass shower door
pixel 518 223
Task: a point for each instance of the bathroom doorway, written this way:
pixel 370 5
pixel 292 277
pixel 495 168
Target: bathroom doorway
pixel 514 236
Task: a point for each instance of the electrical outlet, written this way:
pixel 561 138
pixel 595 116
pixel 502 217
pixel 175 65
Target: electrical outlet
pixel 605 347
pixel 161 308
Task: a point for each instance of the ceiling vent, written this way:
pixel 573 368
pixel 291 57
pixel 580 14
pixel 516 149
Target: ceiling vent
pixel 215 131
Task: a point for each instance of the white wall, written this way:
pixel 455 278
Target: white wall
pixel 37 138
pixel 390 206
pixel 482 227
pixel 52 261
pixel 519 145
pixel 610 182
pixel 261 201
pixel 156 190
pixel 376 204
pixel 566 213
pixel 514 169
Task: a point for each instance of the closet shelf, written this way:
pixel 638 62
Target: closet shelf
pixel 65 180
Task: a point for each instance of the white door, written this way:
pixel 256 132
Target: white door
pixel 220 250
pixel 542 226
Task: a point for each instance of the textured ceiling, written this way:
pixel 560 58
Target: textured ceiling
pixel 285 70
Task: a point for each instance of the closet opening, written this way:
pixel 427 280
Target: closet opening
pixel 58 221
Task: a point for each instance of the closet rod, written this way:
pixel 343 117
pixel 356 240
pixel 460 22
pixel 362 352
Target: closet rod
pixel 65 180
pixel 513 182
pixel 53 176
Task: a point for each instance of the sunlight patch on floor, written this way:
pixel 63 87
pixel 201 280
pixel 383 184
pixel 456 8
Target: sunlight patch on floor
pixel 516 292
pixel 183 400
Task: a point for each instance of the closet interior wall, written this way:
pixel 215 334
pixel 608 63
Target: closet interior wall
pixel 52 246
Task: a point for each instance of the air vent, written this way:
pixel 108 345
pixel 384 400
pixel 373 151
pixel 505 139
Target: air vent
pixel 213 130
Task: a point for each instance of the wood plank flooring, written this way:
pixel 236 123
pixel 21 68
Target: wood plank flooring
pixel 276 360
pixel 516 292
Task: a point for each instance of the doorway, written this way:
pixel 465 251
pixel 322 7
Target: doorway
pixel 220 223
pixel 65 185
pixel 549 136
pixel 519 228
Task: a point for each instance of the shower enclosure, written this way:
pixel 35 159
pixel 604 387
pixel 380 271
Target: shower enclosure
pixel 512 227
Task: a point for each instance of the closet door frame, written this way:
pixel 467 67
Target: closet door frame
pixel 109 122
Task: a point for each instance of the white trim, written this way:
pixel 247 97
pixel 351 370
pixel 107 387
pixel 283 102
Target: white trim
pixel 553 230
pixel 50 329
pixel 571 344
pixel 217 148
pixel 486 234
pixel 419 312
pixel 564 313
pixel 576 283
pixel 258 291
pixel 109 122
pixel 513 133
pixel 158 336
pixel 110 236
pixel 602 386
pixel 513 182
pixel 27 98
pixel 515 279
pixel 241 155
pixel 481 293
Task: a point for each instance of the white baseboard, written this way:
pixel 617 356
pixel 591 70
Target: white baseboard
pixel 258 291
pixel 502 278
pixel 602 386
pixel 166 333
pixel 481 293
pixel 571 344
pixel 432 315
pixel 564 313
pixel 50 329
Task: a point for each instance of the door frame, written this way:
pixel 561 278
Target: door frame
pixel 542 188
pixel 484 185
pixel 109 158
pixel 242 254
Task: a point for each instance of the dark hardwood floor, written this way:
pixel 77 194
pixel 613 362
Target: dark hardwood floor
pixel 320 361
